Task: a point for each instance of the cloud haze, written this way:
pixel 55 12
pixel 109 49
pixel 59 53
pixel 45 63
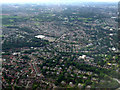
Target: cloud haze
pixel 54 1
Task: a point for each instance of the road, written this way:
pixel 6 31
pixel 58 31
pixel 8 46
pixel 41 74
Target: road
pixel 60 37
pixel 118 82
pixel 34 64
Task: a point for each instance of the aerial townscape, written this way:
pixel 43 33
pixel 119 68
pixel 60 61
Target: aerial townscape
pixel 60 46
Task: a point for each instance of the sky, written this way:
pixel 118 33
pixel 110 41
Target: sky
pixel 54 1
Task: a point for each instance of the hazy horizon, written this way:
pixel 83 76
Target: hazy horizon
pixel 54 1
